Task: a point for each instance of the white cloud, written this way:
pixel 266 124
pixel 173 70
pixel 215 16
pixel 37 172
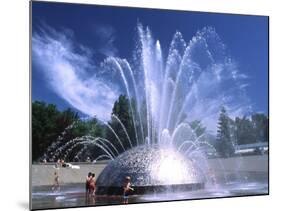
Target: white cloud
pixel 66 69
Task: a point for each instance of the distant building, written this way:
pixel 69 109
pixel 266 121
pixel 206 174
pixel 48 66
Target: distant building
pixel 255 148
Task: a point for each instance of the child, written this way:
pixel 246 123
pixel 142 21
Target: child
pixel 56 185
pixel 88 181
pixel 127 189
pixel 93 185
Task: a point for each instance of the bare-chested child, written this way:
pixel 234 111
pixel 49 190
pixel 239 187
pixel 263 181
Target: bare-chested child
pixel 88 181
pixel 93 185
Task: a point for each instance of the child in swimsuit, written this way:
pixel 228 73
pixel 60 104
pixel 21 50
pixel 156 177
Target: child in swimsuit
pixel 127 189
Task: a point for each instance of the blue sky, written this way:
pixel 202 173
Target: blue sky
pixel 98 32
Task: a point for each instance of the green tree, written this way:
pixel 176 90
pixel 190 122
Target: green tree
pixel 121 109
pixel 198 128
pixel 47 124
pixel 90 127
pixel 260 127
pixel 225 145
pixel 65 119
pixel 244 131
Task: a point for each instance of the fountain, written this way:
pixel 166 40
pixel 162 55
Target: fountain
pixel 170 154
pixel 192 83
pixel 152 169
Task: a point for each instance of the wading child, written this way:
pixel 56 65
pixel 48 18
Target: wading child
pixel 127 189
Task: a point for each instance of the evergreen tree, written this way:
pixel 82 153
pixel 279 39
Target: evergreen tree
pixel 244 131
pixel 225 145
pixel 260 127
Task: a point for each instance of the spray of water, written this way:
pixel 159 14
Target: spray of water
pixel 191 83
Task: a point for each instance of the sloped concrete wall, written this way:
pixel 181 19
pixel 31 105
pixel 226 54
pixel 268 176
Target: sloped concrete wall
pixel 257 163
pixel 43 174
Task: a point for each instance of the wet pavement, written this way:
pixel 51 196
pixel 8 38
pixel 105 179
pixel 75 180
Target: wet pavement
pixel 73 195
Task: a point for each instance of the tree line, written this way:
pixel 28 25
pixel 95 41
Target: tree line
pixel 240 131
pixel 52 128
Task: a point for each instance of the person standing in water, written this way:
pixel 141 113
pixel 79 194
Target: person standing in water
pixel 92 185
pixel 88 190
pixel 56 185
pixel 88 180
pixel 127 189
